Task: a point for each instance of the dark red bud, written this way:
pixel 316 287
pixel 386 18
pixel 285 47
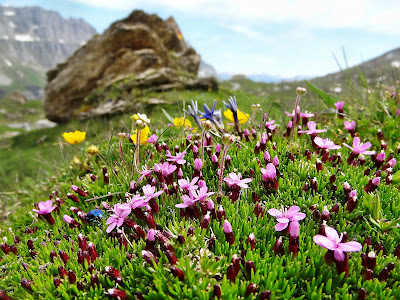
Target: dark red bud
pixel 171 257
pixel 82 242
pixel 71 276
pixel 25 283
pixel 80 285
pixel 4 296
pixel 178 273
pixel 5 248
pixel 383 275
pixel 73 197
pixel 265 295
pixel 250 266
pixel 30 244
pixel 251 240
pixel 217 291
pixel 117 293
pixel 63 255
pixel 390 266
pixel 62 272
pixel 56 282
pixel 94 280
pixel 211 243
pixel 92 252
pixel 335 208
pixel 368 274
pixel 231 273
pixel 362 294
pixel 114 274
pixel 181 239
pixel 32 253
pixel 17 239
pixel 53 254
pixel 190 231
pixel 251 289
pixel 278 247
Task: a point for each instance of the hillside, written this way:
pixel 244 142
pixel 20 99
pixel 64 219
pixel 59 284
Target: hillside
pixel 33 40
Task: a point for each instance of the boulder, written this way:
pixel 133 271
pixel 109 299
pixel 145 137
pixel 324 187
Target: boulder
pixel 141 52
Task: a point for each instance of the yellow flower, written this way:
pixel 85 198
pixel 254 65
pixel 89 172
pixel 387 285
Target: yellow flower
pixel 74 137
pixel 92 149
pixel 178 122
pixel 142 117
pixel 243 118
pixel 143 135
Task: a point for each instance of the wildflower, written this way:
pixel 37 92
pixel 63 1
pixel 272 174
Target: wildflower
pixel 284 217
pixel 188 185
pixel 140 117
pixel 198 163
pixel 120 212
pixel 350 125
pixel 359 148
pixel 312 129
pixel 152 139
pixel 201 194
pixel 148 191
pixel 234 179
pixel 143 135
pixel 339 106
pixel 193 111
pixel 137 201
pixel 305 116
pixel 209 113
pixel 332 242
pixel 72 222
pixel 325 143
pixel 165 169
pixel 178 158
pixel 45 209
pixel 270 125
pixel 92 150
pixel 269 176
pixel 229 232
pixel 179 122
pixel 242 117
pixel 74 137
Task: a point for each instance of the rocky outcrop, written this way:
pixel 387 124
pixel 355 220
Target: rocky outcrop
pixel 139 52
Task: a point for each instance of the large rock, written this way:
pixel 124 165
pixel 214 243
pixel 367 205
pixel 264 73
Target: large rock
pixel 139 52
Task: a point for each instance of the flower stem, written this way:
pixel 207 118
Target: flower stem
pixel 222 167
pixel 137 150
pixel 294 127
pixel 203 135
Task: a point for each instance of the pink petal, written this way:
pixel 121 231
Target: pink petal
pixel 182 205
pixel 111 227
pixel 274 212
pixel 283 220
pixel 35 210
pixel 323 241
pixel 356 142
pixel 294 229
pixel 41 205
pixel 332 235
pixel 365 146
pixel 339 255
pixel 280 226
pixel 350 247
pixel 369 152
pixel 348 146
pixel 292 211
pixel 125 213
pixel 299 216
pixel 120 222
pixel 111 220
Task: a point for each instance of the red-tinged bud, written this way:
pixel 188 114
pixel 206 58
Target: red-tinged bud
pixel 383 275
pixel 154 206
pixel 368 274
pixel 5 248
pixel 371 260
pixel 379 248
pixel 17 239
pixel 251 289
pixel 91 269
pixel 71 276
pixel 231 273
pixel 82 242
pixel 367 241
pixel 106 179
pixel 171 257
pixel 220 213
pixel 53 254
pixel 318 165
pixel 117 294
pixel 190 231
pixel 80 256
pixel 178 273
pixel 251 240
pixel 32 253
pixel 139 231
pixel 346 188
pixel 278 247
pixel 25 283
pixel 205 221
pixel 13 249
pixel 94 280
pixel 257 148
pixel 29 243
pixel 364 262
pixel 79 191
pixel 80 285
pixel 75 210
pixel 211 242
pixel 82 216
pixel 335 208
pixel 250 266
pixel 150 220
pixel 389 179
pixel 362 294
pixel 181 239
pixel 4 296
pixel 62 272
pixel 265 295
pixel 217 291
pixel 162 239
pixel 293 245
pixel 236 263
pixel 73 197
pixel 351 204
pixel 149 257
pixel 92 252
pixel 64 256
pixel 56 282
pixel 314 184
pixel 114 274
pixel 332 178
pixel 316 215
pixel 325 215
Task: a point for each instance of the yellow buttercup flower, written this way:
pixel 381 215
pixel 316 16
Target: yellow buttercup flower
pixel 74 137
pixel 143 135
pixel 179 122
pixel 243 118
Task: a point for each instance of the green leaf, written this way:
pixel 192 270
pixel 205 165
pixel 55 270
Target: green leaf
pixel 328 100
pixel 167 115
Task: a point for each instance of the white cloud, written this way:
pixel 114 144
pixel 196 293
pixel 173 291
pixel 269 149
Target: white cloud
pixel 369 15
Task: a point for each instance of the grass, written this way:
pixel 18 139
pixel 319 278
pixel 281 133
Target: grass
pixel 207 266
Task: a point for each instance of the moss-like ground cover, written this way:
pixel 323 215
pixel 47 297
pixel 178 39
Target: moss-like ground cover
pixel 223 244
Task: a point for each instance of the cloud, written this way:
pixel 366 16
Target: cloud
pixel 368 15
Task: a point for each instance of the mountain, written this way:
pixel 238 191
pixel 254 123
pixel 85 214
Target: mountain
pixel 32 41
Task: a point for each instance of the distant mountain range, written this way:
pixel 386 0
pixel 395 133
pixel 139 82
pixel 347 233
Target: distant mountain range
pixel 32 41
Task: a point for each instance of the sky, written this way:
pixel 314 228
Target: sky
pixel 285 38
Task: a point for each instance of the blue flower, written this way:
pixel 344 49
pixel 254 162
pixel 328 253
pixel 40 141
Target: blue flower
pixel 193 111
pixel 209 114
pixel 232 106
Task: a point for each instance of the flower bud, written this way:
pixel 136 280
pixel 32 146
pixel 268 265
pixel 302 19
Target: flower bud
pixel 71 276
pixel 178 273
pixel 251 289
pixel 116 293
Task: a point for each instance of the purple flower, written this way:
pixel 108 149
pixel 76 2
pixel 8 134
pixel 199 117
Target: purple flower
pixel 339 105
pixel 275 161
pixel 312 128
pixel 234 179
pixel 178 158
pixel 137 201
pixel 45 207
pixel 165 168
pixel 360 148
pixel 325 143
pixel 198 164
pixel 152 139
pixel 120 212
pixel 270 125
pixel 145 173
pixel 269 172
pixel 306 115
pixel 148 191
pixel 201 194
pixel 381 156
pixel 227 227
pixel 284 217
pixel 332 242
pixel 188 185
pixel 187 201
pixel 350 125
pixel 151 235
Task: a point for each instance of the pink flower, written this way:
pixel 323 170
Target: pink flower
pixel 360 148
pixel 269 172
pixel 152 139
pixel 332 242
pixel 201 194
pixel 312 128
pixel 227 227
pixel 284 217
pixel 151 235
pixel 187 201
pixel 165 168
pixel 235 179
pixel 121 211
pixel 339 105
pixel 306 115
pixel 148 191
pixel 381 156
pixel 137 201
pixel 198 164
pixel 325 143
pixel 188 186
pixel 45 207
pixel 350 125
pixel 275 161
pixel 178 158
pixel 145 173
pixel 270 125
